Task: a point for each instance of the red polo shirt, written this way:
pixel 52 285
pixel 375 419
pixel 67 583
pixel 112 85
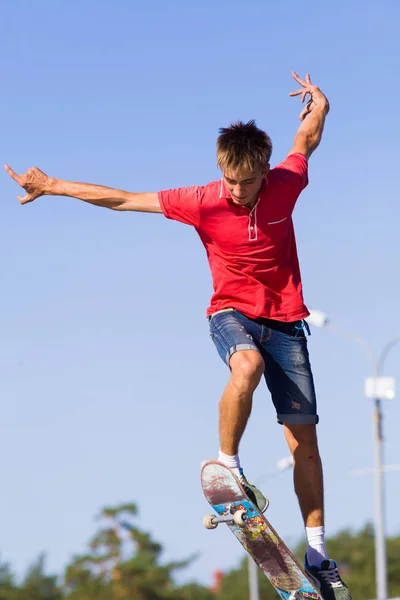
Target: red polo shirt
pixel 252 253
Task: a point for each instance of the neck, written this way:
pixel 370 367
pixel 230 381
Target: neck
pixel 253 202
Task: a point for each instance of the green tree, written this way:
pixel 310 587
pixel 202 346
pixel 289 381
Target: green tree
pixel 8 589
pixel 36 585
pixel 194 591
pixel 393 553
pixel 235 585
pixel 124 563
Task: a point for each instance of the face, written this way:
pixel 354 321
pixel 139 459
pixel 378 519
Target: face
pixel 244 185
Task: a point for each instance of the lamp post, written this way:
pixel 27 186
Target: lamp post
pixel 254 588
pixel 377 388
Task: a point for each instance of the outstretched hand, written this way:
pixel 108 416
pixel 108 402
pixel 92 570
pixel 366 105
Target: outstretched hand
pixel 317 98
pixel 34 181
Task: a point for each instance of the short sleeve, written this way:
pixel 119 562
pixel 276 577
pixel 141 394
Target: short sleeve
pixel 182 204
pixel 293 171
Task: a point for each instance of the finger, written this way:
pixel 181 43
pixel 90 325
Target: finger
pixel 25 199
pixel 13 174
pixel 308 79
pixel 304 94
pixel 298 79
pixel 303 114
pixel 306 110
pixel 297 93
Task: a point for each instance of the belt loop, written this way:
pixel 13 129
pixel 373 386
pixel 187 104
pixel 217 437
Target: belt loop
pixel 306 325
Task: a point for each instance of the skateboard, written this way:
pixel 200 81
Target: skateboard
pixel 257 536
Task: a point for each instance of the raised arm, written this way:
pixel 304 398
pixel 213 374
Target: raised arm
pixel 312 117
pixel 36 184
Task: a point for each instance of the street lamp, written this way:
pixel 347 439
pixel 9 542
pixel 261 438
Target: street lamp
pixel 378 388
pixel 254 587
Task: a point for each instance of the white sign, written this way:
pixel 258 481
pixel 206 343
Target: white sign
pixel 381 388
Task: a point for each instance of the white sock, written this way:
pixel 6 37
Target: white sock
pixel 316 551
pixel 232 462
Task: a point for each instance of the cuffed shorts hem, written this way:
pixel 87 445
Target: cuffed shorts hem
pixel 291 419
pixel 238 347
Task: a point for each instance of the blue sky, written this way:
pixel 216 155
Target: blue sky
pixel 109 381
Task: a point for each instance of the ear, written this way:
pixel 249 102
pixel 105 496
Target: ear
pixel 266 170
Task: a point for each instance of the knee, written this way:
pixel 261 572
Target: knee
pixel 247 367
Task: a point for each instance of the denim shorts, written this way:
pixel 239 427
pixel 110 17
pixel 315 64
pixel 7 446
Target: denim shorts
pixel 283 347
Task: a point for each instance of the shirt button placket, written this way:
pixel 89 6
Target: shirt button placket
pixel 253 222
pixel 252 228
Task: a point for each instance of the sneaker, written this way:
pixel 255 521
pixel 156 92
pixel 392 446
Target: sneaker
pixel 254 493
pixel 328 580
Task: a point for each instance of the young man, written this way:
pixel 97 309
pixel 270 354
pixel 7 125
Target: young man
pixel 256 315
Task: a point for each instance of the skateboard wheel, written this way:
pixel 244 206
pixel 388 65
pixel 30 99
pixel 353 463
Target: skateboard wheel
pixel 209 522
pixel 239 517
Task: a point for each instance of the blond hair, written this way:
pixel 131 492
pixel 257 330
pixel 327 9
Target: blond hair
pixel 243 146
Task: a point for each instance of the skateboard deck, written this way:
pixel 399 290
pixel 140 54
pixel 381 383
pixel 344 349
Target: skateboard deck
pixel 257 536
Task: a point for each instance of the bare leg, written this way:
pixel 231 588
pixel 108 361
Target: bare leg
pixel 246 366
pixel 308 477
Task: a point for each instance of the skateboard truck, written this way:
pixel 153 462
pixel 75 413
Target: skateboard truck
pixel 238 517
